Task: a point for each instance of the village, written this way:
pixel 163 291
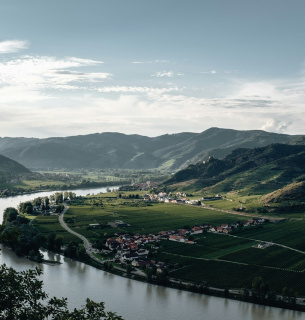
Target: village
pixel 136 249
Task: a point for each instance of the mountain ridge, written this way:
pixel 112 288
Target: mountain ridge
pixel 117 150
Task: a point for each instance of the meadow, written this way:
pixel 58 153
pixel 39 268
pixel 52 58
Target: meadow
pixel 219 260
pixel 150 218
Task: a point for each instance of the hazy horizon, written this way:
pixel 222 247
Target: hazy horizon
pixel 150 136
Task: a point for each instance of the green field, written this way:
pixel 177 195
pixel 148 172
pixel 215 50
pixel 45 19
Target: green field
pixel 290 233
pixel 273 256
pixel 148 219
pixel 230 275
pixel 48 224
pixel 220 260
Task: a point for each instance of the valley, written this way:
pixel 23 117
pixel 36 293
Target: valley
pixel 216 226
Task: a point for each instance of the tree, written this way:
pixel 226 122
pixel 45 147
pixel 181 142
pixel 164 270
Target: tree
pixel 26 207
pixel 66 195
pixel 288 295
pixel 72 195
pixel 37 202
pixel 128 269
pixel 19 235
pixel 82 254
pixel 245 293
pixel 51 241
pixel 162 277
pixel 46 203
pixel 60 208
pixel 10 237
pixel 58 242
pixel 59 197
pixel 259 288
pixel 22 297
pixel 71 250
pixel 108 266
pixel 149 272
pixel 10 214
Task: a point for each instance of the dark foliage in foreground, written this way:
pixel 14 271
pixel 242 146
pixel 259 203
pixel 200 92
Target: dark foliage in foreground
pixel 22 297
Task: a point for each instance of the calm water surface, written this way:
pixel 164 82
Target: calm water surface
pixel 132 299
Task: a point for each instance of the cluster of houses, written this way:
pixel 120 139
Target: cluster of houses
pixel 228 228
pixel 131 248
pixel 179 197
pixel 143 186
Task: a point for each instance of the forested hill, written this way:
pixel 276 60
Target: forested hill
pixel 11 167
pixel 116 150
pixel 262 169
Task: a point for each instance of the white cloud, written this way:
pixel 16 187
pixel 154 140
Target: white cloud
pixel 10 46
pixel 162 61
pixel 275 125
pixel 209 72
pixel 144 110
pixel 151 61
pixel 40 72
pixel 162 74
pixel 20 94
pixel 168 74
pixel 126 89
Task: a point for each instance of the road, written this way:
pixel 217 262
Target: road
pixel 88 246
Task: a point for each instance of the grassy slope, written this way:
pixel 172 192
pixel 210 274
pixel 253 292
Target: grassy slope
pixel 276 172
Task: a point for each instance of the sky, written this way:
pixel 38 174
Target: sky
pixel 74 67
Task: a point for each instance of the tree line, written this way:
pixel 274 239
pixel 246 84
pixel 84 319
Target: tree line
pixel 17 233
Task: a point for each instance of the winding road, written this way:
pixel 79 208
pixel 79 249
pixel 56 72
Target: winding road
pixel 87 244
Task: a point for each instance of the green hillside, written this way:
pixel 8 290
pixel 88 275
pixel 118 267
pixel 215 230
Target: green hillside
pixel 248 171
pixel 116 150
pixel 292 192
pixel 11 167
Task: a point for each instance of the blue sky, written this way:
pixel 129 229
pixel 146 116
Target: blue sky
pixel 151 67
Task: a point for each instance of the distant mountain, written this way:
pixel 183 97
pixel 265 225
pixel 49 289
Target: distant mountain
pixel 116 150
pixel 256 171
pixel 10 167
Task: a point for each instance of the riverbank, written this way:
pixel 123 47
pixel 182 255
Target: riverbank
pixel 11 192
pixel 134 300
pixel 235 294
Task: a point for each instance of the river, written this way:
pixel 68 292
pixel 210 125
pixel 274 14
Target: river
pixel 131 299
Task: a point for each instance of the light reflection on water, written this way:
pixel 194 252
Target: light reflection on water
pixel 132 299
